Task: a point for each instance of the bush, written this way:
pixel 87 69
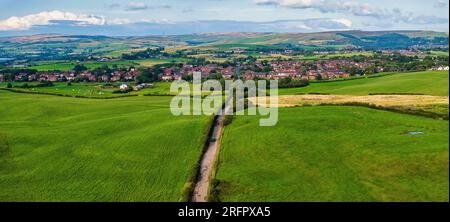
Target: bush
pixel 41 84
pixel 292 83
pixel 227 120
pixel 45 84
pixel 214 191
pixel 123 91
pixel 9 85
pixel 25 86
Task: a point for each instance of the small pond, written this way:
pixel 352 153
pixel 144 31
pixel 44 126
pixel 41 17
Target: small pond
pixel 414 132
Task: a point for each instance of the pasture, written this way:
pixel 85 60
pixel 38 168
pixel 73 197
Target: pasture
pixel 69 65
pixel 324 153
pixel 427 82
pixel 89 89
pixel 69 149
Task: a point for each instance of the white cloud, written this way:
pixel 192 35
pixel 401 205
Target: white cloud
pixel 138 6
pixel 327 6
pixel 319 24
pixel 135 6
pixel 344 22
pixel 359 9
pixel 112 6
pixel 425 20
pixel 327 24
pixel 162 21
pixel 46 18
pixel 118 21
pixel 441 4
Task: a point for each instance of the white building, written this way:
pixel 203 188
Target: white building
pixel 123 87
pixel 440 68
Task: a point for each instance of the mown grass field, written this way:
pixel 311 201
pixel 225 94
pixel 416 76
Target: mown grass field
pixel 69 149
pixel 331 153
pixel 428 83
pixel 89 89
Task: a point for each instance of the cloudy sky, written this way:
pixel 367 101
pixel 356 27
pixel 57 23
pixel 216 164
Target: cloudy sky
pixel 143 17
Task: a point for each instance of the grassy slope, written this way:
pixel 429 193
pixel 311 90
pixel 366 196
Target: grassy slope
pixel 90 89
pixel 67 66
pixel 428 82
pixel 335 154
pixel 67 149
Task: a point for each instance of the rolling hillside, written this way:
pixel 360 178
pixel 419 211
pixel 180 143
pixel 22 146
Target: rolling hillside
pixel 334 154
pixel 56 46
pixel 68 149
pixel 428 83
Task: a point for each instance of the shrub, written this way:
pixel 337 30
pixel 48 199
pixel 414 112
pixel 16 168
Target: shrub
pixel 292 83
pixel 9 85
pixel 45 84
pixel 123 91
pixel 228 119
pixel 214 191
pixel 25 86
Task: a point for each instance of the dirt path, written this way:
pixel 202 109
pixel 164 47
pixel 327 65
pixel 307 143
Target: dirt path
pixel 207 162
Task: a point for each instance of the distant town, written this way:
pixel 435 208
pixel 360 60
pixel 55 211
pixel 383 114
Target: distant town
pixel 247 68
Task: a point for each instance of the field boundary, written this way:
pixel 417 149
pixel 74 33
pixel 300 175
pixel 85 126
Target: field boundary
pixel 156 94
pixel 370 76
pixel 396 109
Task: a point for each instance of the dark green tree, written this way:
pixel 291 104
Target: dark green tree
pixel 79 68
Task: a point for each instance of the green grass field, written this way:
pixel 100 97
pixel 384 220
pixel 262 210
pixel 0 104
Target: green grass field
pixel 89 89
pixel 335 154
pixel 67 66
pixel 69 149
pixel 439 53
pixel 350 54
pixel 428 82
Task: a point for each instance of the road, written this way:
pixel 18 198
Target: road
pixel 208 159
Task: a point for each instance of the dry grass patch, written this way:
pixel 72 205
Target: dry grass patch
pixel 379 100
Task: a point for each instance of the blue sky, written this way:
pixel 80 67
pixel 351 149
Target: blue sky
pixel 140 17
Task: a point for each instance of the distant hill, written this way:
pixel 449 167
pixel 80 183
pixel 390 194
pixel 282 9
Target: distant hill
pixel 363 39
pixel 54 45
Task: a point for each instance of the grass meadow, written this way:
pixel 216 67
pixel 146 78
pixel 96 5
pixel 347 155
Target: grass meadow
pixel 69 65
pixel 427 82
pixel 89 89
pixel 55 148
pixel 332 153
pixel 70 149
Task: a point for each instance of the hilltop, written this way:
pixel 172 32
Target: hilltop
pixel 81 45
